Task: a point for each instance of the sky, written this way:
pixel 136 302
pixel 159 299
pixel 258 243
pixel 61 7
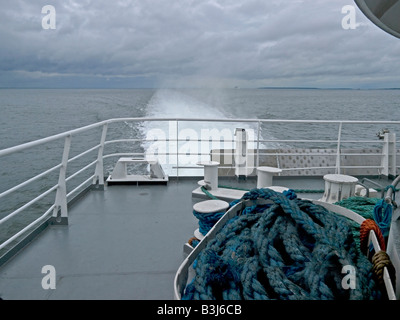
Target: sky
pixel 193 43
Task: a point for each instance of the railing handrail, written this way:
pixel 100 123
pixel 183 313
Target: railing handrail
pixel 51 138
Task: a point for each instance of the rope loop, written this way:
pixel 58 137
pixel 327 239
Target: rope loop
pixel 383 216
pixel 207 220
pixel 380 260
pixel 365 228
pixel 193 242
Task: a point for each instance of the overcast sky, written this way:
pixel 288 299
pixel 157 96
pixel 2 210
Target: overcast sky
pixel 194 43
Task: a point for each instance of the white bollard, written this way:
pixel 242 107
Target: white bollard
pixel 207 207
pixel 265 176
pixel 338 187
pixel 210 174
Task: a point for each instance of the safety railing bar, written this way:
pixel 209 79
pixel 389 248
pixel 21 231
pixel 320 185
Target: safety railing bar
pixel 317 154
pixel 286 169
pixel 123 155
pixel 33 179
pixel 173 140
pixel 169 140
pixel 297 141
pixel 84 153
pixel 320 141
pixel 228 153
pixel 21 232
pixel 31 144
pixel 231 141
pixel 307 168
pixel 230 120
pixel 80 171
pixel 362 167
pixel 362 154
pixel 28 204
pixel 363 141
pixel 125 140
pixel 80 186
pixel 296 154
pixel 52 138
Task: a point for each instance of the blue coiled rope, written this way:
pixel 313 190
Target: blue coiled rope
pixel 383 216
pixel 287 249
pixel 207 220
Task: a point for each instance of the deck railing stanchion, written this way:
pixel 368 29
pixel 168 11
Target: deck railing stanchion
pixel 177 149
pixel 99 171
pixel 388 160
pixel 339 141
pixel 60 211
pixel 258 144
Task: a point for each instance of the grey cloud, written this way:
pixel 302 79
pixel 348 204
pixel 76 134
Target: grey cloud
pixel 249 42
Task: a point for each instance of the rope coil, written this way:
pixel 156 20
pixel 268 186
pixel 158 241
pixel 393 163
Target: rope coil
pixel 383 216
pixel 365 228
pixel 207 220
pixel 284 249
pixel 381 260
pixel 193 241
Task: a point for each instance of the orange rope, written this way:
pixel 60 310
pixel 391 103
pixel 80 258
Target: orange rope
pixel 190 241
pixel 365 228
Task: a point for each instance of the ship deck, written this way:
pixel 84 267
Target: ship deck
pixel 124 242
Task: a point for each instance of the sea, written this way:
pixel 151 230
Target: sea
pixel 31 114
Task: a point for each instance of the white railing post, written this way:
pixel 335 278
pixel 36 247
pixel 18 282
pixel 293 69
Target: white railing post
pixel 60 211
pixel 99 171
pixel 177 149
pixel 258 144
pixel 388 160
pixel 339 141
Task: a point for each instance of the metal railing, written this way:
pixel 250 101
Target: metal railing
pixel 176 141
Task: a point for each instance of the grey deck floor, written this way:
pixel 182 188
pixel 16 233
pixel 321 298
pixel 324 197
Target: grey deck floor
pixel 122 243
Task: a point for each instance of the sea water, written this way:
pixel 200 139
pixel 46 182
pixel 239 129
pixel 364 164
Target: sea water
pixel 29 114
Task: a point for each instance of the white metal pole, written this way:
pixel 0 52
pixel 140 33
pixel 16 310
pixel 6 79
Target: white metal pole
pixel 99 171
pixel 338 149
pixel 61 195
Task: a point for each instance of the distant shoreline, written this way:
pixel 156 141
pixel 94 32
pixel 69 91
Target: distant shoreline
pixel 314 88
pixel 190 88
